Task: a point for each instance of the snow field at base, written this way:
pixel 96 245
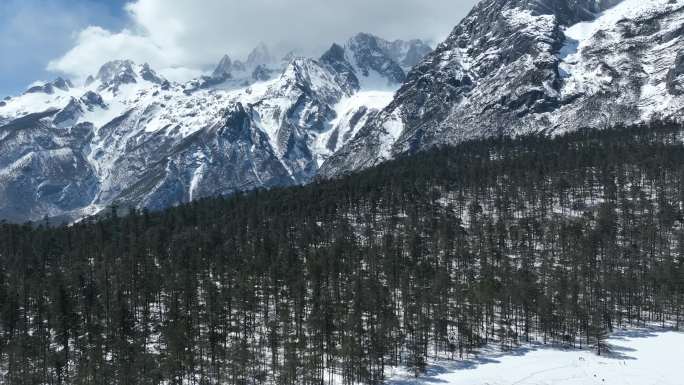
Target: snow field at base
pixel 345 111
pixel 372 99
pixel 637 357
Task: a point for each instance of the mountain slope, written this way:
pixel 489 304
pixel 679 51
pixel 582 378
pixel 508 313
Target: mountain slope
pixel 515 67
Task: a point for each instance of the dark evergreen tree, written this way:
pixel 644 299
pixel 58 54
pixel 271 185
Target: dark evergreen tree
pixel 500 241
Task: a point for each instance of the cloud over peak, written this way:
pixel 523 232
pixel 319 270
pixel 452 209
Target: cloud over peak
pixel 182 38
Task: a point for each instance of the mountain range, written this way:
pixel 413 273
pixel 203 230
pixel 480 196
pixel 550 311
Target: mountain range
pixel 129 137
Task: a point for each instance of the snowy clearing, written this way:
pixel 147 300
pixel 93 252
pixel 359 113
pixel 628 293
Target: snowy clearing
pixel 638 357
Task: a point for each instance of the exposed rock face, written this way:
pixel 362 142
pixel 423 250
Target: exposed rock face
pixel 262 73
pixel 261 55
pixel 675 77
pixel 62 84
pixel 49 88
pixel 377 61
pixel 409 54
pixel 225 67
pixel 336 59
pixel 229 74
pixel 146 73
pixel 92 100
pixel 529 66
pixel 117 72
pixel 42 168
pixel 70 114
pixel 369 54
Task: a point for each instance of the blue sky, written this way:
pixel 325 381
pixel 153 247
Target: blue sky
pixel 182 39
pixel 33 32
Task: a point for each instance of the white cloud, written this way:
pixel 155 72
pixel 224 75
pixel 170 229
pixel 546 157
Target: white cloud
pixel 184 37
pixel 95 46
pixel 180 74
pixel 34 31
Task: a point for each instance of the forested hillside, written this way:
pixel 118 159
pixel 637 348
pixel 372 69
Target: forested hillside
pixel 499 241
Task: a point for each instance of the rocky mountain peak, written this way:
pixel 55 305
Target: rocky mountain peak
pixel 117 71
pixel 50 87
pixel 336 53
pixel 147 73
pixel 305 73
pixel 367 60
pixel 260 55
pixel 364 39
pixel 369 55
pixel 409 53
pixel 92 99
pixel 62 84
pixel 224 67
pixel 335 58
pixel 288 57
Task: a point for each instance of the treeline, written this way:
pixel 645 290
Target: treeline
pixel 499 241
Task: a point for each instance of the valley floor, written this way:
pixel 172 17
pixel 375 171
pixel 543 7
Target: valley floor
pixel 637 357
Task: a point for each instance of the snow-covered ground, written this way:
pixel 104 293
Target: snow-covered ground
pixel 638 357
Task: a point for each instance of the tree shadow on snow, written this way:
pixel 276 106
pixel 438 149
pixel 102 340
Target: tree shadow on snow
pixel 623 334
pixel 490 355
pixel 618 352
pixel 443 367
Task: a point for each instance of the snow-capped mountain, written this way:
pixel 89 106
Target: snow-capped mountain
pixel 131 138
pixel 380 63
pixel 511 67
pixel 530 66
